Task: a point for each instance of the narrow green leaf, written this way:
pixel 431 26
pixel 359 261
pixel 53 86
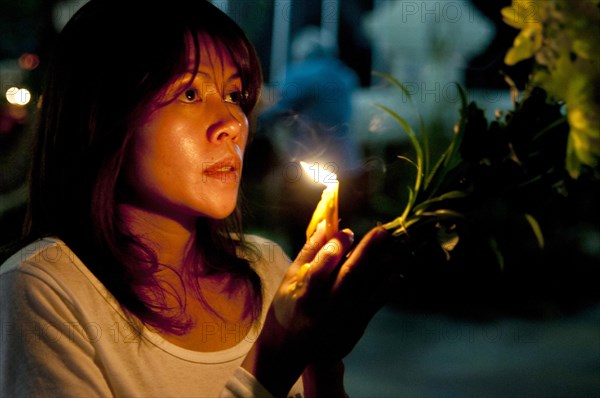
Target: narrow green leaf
pixel 416 145
pixel 409 204
pixel 436 168
pixel 425 136
pixel 572 162
pixel 448 195
pixel 393 81
pixel 496 249
pixel 463 95
pixel 447 213
pixel 409 160
pixel 535 226
pixel 548 128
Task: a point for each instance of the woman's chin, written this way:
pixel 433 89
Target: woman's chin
pixel 219 213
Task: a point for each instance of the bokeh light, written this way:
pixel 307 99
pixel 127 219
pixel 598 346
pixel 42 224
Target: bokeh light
pixel 18 96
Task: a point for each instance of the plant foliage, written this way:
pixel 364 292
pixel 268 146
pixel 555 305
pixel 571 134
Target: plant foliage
pixel 563 37
pixel 499 170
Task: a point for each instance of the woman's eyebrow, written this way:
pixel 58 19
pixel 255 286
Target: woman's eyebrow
pixel 206 75
pixel 234 76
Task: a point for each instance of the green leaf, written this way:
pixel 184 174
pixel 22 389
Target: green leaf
pixel 394 81
pixel 409 160
pixel 450 158
pixel 442 213
pixel 422 129
pixel 498 253
pixel 572 163
pixel 446 196
pixel 535 226
pixel 416 145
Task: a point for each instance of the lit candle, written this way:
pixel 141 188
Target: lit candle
pixel 327 209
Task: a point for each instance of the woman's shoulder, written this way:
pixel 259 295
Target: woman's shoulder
pixel 265 250
pixel 41 255
pixel 48 264
pixel 266 256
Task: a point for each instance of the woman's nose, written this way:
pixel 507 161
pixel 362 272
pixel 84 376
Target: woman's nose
pixel 229 122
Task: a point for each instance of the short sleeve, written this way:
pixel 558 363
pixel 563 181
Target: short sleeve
pixel 43 352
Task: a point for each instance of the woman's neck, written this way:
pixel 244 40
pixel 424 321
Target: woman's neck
pixel 224 300
pixel 170 239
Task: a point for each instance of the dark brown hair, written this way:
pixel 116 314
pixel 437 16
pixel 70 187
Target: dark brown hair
pixel 111 59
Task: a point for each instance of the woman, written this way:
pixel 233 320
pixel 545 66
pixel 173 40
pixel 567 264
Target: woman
pixel 137 279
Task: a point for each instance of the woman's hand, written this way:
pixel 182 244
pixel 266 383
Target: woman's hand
pixel 326 303
pixel 321 308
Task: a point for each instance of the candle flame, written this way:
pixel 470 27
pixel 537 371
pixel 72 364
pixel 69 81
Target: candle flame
pixel 319 174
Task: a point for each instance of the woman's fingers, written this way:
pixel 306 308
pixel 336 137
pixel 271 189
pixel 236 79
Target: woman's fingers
pixel 310 278
pixel 328 296
pixel 323 267
pixel 313 279
pixel 369 275
pixel 312 245
pixel 361 271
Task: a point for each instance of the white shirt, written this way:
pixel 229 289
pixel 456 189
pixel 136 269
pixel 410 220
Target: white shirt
pixel 63 334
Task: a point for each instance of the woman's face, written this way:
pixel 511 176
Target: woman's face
pixel 186 158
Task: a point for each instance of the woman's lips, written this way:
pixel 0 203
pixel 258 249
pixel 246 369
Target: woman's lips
pixel 227 170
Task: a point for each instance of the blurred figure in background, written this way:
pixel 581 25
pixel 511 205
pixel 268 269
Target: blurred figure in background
pixel 314 106
pixel 310 122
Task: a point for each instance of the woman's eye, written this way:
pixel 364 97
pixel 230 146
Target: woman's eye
pixel 190 95
pixel 235 97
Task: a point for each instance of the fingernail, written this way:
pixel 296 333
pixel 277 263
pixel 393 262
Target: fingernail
pixel 349 233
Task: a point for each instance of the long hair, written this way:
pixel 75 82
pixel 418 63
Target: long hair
pixel 110 61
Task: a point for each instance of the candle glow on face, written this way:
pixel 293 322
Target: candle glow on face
pixel 327 209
